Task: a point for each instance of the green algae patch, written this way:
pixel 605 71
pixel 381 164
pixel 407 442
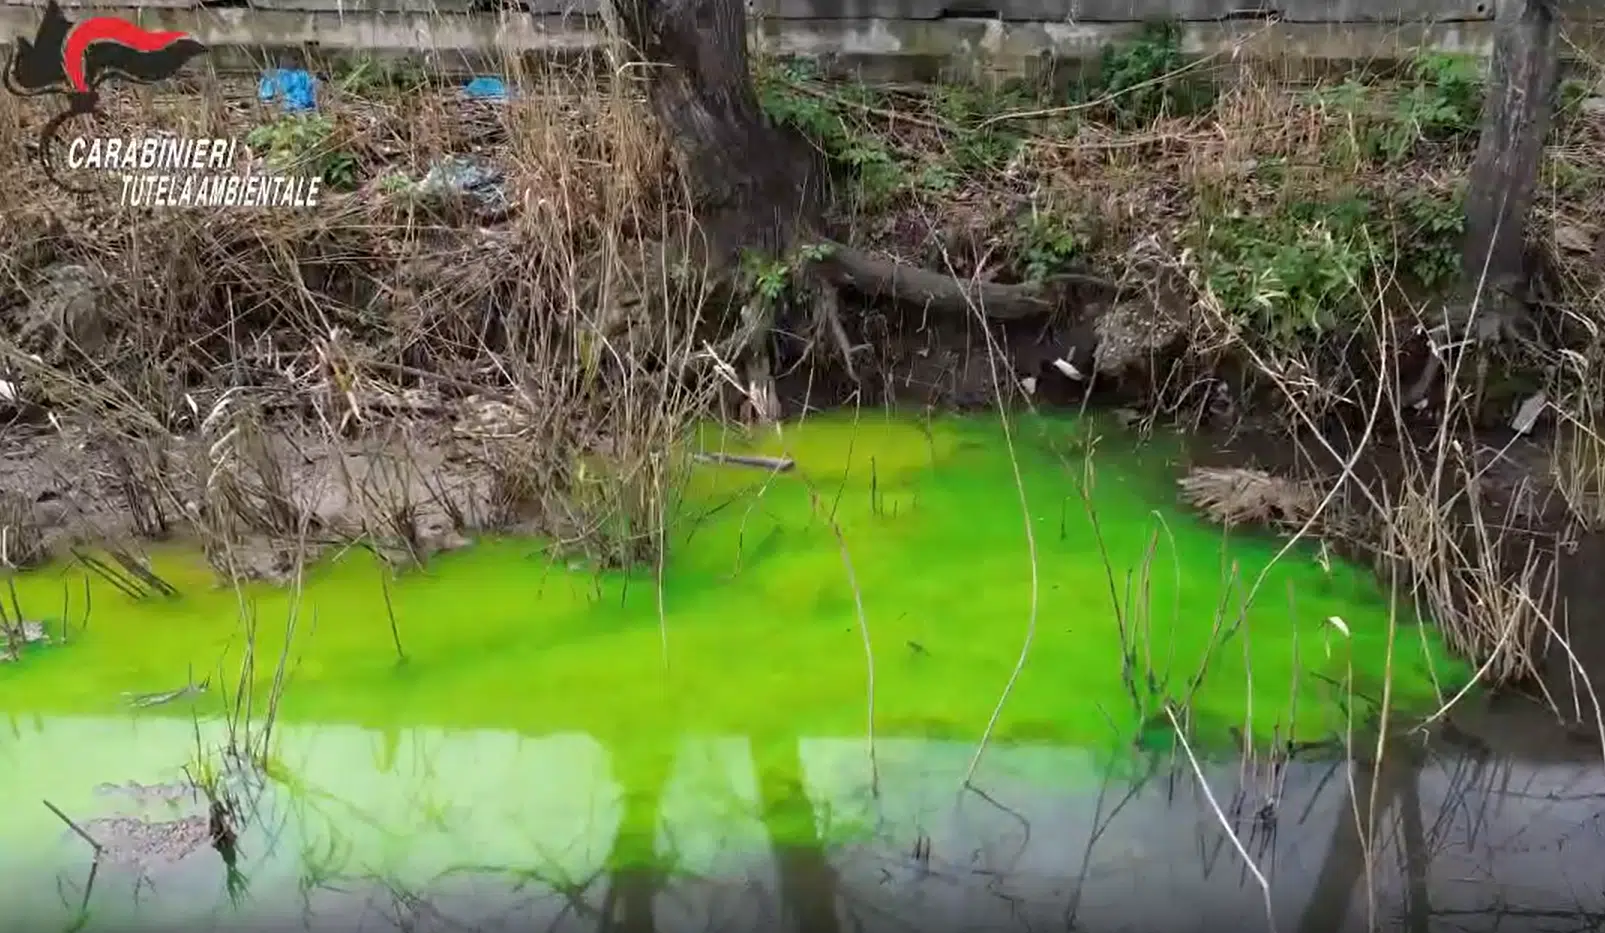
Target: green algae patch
pixel 755 629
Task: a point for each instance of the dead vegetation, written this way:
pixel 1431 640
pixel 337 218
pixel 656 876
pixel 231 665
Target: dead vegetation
pixel 409 364
pixel 209 353
pixel 1243 496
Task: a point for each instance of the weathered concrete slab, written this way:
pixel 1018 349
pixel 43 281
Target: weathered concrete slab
pixel 476 7
pixel 1579 9
pixel 907 49
pixel 39 5
pixel 1046 11
pixel 358 7
pixel 1135 11
pixel 564 7
pixel 428 35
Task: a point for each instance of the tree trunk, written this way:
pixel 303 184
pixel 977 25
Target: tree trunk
pixel 761 189
pixel 1510 150
pixel 754 185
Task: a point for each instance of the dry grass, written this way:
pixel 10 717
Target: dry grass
pixel 1578 462
pixel 571 345
pixel 1475 555
pixel 1472 548
pixel 1234 496
pixel 581 318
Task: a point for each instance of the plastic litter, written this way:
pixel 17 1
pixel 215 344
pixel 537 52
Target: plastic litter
pixel 486 88
pixel 474 179
pixel 1527 416
pixel 293 88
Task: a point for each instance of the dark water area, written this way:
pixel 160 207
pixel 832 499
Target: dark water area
pixel 495 831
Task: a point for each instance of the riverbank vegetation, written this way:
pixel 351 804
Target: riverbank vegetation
pixel 503 319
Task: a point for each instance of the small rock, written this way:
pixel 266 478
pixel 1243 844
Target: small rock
pixel 15 637
pixel 1574 239
pixel 1527 415
pixel 484 418
pixel 65 312
pixel 146 843
pixel 1131 331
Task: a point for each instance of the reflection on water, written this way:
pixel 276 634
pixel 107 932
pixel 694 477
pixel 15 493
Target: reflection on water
pixel 423 829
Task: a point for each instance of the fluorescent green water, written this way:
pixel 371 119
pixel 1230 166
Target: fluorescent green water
pixel 762 631
pixel 535 709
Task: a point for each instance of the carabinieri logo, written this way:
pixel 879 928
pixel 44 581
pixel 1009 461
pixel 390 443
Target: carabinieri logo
pixel 74 59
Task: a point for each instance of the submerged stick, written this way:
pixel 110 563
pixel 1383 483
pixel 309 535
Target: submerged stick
pixel 75 827
pixel 773 464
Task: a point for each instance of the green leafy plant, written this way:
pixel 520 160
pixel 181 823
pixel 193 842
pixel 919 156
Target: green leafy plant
pixel 821 119
pixel 1292 275
pixel 973 144
pixel 304 143
pixel 1440 101
pixel 1145 79
pixel 367 75
pixel 1046 244
pixel 1430 237
pixel 1309 268
pixel 772 277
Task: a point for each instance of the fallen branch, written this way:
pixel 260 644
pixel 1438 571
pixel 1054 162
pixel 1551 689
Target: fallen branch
pixel 75 828
pixel 773 464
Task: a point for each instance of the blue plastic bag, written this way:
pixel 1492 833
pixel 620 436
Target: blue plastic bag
pixel 485 88
pixel 293 88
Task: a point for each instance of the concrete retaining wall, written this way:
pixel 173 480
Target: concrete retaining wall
pixel 891 38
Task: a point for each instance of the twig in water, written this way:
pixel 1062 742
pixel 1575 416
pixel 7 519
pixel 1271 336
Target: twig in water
pixel 140 572
pixel 1225 824
pixel 127 587
pixel 993 351
pixel 76 828
pixel 869 648
pixel 390 609
pixel 774 464
pixel 16 601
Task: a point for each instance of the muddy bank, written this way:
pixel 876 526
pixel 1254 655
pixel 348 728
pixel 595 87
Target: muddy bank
pixel 1515 518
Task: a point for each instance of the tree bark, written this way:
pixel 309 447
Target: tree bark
pixel 1504 176
pixel 758 188
pixel 1510 149
pixel 755 186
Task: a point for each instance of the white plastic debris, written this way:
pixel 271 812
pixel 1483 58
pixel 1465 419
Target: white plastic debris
pixel 1029 384
pixel 1527 414
pixel 1069 369
pixel 9 391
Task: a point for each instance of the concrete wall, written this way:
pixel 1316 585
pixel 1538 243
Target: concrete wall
pixel 890 38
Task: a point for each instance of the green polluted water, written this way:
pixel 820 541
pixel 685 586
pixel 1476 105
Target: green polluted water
pixel 754 637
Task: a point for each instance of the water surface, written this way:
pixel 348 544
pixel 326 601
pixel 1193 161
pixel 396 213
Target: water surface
pixel 502 710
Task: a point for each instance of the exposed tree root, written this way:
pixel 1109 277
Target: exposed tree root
pixel 937 291
pixel 761 189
